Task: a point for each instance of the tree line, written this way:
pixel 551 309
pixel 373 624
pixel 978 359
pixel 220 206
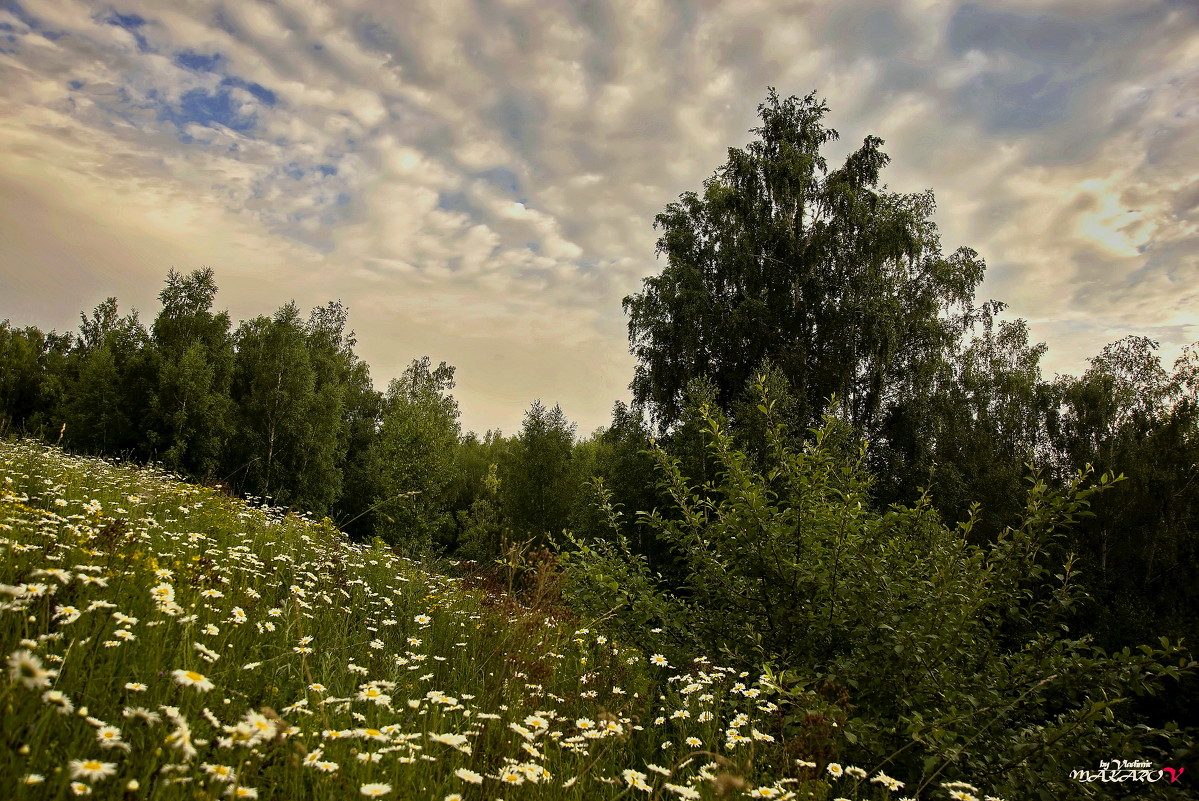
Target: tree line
pixel 281 409
pixel 815 281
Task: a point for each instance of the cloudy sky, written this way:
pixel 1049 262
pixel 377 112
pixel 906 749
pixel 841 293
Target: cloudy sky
pixel 477 179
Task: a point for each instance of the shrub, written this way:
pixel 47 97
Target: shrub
pixel 934 657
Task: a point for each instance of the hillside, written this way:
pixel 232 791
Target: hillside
pixel 164 640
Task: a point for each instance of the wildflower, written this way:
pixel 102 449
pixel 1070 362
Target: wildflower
pixel 659 660
pixel 835 770
pixel 110 737
pixel 681 791
pixel 635 779
pixel 163 593
pixel 25 667
pixel 887 781
pixel 67 614
pixel 423 620
pixel 316 687
pixel 181 738
pixel 141 712
pixel 374 694
pixel 694 742
pixel 242 791
pixel 65 707
pixel 458 741
pixel 468 776
pixel 79 788
pixel 91 769
pixel 856 772
pixel 374 790
pixel 32 778
pixel 135 686
pixel 206 653
pixel 256 727
pixel 191 678
pixel 220 773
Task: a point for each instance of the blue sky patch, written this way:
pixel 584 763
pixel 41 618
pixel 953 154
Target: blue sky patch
pixel 261 93
pixel 210 109
pixel 34 24
pixel 198 62
pixel 132 23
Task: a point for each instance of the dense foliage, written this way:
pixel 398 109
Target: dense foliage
pixel 950 659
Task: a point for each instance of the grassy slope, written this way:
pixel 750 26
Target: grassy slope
pixel 334 668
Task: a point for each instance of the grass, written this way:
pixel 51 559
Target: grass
pixel 163 640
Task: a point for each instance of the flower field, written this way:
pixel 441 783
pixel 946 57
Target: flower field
pixel 163 640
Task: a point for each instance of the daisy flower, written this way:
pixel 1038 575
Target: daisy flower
pixel 220 773
pixel 890 783
pixel 91 769
pixel 374 790
pixel 110 737
pixel 190 678
pixel 25 667
pixel 65 707
pixel 469 776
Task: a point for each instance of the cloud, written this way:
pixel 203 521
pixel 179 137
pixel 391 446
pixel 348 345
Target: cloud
pixel 478 180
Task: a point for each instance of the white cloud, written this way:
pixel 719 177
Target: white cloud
pixel 478 181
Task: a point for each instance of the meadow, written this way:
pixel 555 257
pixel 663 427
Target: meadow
pixel 164 640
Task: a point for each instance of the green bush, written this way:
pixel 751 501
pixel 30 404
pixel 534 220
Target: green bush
pixel 924 654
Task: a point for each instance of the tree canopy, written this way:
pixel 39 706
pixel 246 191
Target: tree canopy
pixel 823 273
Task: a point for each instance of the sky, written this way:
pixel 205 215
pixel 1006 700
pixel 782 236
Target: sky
pixel 477 179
